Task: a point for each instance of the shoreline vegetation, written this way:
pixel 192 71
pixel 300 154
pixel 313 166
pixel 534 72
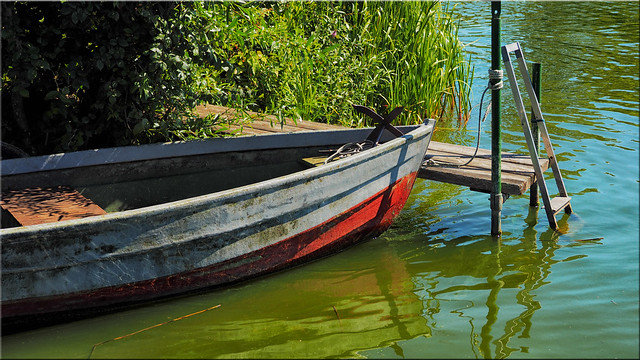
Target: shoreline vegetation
pixel 88 75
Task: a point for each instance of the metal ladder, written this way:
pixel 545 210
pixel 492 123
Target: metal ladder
pixel 562 201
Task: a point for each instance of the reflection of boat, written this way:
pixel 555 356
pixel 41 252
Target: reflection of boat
pixel 184 216
pixel 369 287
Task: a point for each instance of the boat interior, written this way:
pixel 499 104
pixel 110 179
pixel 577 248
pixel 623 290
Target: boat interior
pixel 78 192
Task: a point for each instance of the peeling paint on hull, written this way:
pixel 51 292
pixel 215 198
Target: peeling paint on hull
pixel 207 241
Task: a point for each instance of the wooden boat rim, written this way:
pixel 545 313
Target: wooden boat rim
pixel 175 149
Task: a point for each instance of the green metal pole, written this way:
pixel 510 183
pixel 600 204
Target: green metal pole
pixel 496 136
pixel 535 81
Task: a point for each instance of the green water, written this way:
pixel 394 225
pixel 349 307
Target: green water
pixel 437 285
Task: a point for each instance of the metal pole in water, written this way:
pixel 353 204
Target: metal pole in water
pixel 496 146
pixel 535 82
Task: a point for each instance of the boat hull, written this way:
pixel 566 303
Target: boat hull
pixel 207 241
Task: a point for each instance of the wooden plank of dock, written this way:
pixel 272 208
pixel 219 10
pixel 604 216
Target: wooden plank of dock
pixel 517 171
pixel 261 123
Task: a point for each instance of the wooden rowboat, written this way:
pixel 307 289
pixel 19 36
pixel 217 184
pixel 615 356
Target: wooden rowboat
pixel 106 228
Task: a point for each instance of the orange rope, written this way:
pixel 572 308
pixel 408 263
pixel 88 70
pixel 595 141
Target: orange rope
pixel 151 327
pixel 338 316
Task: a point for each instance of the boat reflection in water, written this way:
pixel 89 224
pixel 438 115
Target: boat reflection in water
pixel 354 307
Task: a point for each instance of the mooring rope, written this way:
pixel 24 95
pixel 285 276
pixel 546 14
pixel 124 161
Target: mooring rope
pixel 349 149
pixel 493 75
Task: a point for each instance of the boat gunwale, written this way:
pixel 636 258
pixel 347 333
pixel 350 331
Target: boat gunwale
pixel 152 210
pixel 124 154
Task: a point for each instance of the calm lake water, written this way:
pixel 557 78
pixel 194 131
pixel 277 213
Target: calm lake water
pixel 437 285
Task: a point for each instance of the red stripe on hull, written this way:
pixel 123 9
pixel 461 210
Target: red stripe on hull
pixel 370 218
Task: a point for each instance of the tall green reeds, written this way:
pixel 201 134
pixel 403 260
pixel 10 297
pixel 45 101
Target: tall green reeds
pixel 419 47
pixel 312 59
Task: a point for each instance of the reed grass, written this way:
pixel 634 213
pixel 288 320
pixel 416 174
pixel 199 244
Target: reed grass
pixel 311 60
pixel 418 42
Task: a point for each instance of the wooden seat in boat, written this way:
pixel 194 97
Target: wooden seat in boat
pixel 39 205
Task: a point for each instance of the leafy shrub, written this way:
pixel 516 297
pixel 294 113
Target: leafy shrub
pixel 85 75
pixel 312 59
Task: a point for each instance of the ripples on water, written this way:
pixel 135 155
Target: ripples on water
pixel 436 285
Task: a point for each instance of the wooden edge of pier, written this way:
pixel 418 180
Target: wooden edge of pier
pixel 443 160
pixel 258 123
pixel 441 164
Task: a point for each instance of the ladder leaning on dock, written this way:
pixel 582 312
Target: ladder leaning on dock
pixel 562 201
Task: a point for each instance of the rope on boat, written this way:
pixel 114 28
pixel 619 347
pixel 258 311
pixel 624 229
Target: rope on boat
pixel 493 75
pixel 383 123
pixel 349 149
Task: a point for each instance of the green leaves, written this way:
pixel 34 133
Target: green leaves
pixel 311 60
pixel 422 53
pixel 141 126
pixel 96 74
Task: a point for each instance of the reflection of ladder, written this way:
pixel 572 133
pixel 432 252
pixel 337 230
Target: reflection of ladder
pixel 552 206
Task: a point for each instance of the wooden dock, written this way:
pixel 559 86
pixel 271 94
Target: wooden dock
pixel 442 162
pixel 517 171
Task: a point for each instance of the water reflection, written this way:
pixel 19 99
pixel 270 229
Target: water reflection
pixel 589 57
pixel 477 275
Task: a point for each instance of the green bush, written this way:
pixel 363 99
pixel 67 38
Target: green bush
pixel 84 75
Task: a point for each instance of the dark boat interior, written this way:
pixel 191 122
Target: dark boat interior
pixel 132 185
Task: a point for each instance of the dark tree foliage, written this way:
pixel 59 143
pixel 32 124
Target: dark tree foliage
pixel 80 75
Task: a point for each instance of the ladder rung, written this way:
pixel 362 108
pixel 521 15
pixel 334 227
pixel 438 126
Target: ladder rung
pixel 559 202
